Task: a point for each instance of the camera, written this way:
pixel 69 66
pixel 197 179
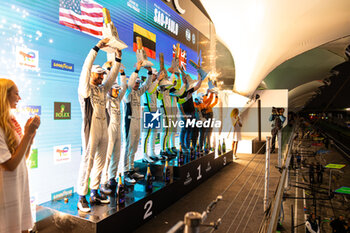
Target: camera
pixel 274 110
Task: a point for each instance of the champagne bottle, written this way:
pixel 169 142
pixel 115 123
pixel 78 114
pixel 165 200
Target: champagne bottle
pixel 192 152
pixel 149 182
pixel 223 146
pixel 206 149
pixel 219 148
pixel 198 153
pixel 166 172
pixel 181 156
pixel 120 191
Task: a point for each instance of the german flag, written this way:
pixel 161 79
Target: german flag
pixel 148 41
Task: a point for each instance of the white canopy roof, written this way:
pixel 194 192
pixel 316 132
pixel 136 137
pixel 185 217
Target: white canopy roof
pixel 262 34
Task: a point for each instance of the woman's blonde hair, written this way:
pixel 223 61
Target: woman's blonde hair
pixel 234 112
pixel 5 119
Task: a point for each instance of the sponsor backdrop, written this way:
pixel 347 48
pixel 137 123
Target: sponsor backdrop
pixel 42 50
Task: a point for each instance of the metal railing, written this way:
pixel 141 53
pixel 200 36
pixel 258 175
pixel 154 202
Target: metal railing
pixel 269 223
pixel 194 220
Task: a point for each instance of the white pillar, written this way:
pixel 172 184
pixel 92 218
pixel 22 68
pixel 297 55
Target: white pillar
pixel 286 184
pixel 279 139
pixel 267 173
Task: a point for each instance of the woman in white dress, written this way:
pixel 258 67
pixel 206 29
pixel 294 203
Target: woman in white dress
pixel 15 211
pixel 236 124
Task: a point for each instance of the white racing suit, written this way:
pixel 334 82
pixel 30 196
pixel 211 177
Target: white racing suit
pixel 114 133
pixel 132 100
pixel 150 105
pixel 175 92
pixel 94 137
pixel 165 107
pixel 169 113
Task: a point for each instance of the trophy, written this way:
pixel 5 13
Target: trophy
pixel 110 31
pixel 165 81
pixel 175 62
pixel 141 53
pixel 201 72
pixel 161 64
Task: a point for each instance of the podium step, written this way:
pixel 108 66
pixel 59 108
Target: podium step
pixel 140 206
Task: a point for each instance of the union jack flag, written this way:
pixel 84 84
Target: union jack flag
pixel 83 15
pixel 182 57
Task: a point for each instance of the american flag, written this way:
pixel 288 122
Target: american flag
pixel 182 57
pixel 83 15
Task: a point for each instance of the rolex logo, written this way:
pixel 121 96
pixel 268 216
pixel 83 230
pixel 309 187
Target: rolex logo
pixel 62 111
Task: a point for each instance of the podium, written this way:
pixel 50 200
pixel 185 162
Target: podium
pixel 58 216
